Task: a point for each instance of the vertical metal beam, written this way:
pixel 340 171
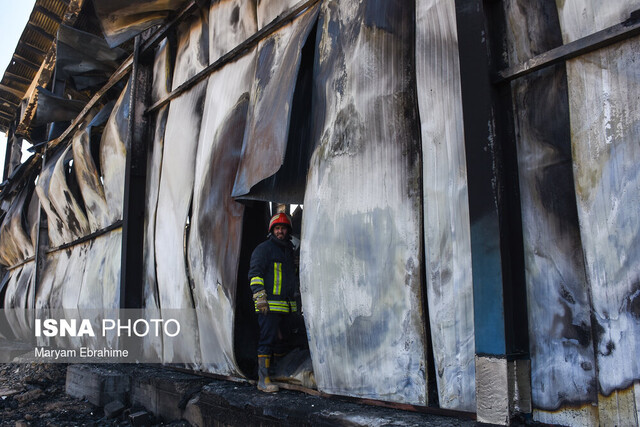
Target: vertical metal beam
pixel 131 278
pixel 13 153
pixel 496 229
pixel 7 154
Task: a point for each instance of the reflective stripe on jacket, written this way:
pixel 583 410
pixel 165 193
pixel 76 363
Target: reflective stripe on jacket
pixel 272 269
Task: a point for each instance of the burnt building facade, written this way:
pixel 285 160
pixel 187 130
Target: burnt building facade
pixel 466 171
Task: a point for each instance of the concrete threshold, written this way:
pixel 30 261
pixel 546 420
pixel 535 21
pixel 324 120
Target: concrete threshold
pixel 171 395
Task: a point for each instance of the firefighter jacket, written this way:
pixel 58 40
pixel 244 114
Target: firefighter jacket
pixel 272 269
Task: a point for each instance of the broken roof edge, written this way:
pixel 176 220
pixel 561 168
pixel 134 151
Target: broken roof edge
pixel 10 107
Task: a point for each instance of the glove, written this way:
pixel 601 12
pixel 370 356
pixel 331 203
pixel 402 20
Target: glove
pixel 260 298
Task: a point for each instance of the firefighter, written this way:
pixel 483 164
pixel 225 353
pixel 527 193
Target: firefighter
pixel 274 284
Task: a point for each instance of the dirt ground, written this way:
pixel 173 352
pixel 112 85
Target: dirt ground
pixel 32 394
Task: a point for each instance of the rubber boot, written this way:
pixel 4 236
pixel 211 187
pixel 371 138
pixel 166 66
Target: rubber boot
pixel 264 382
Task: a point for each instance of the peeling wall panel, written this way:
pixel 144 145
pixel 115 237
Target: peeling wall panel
pixel 562 359
pixel 160 88
pixel 55 226
pixel 446 206
pixel 176 183
pixel 18 291
pixel 15 243
pixel 216 228
pixel 52 108
pixel 277 68
pixel 15 247
pixel 361 248
pixel 87 175
pixel 63 201
pixel 79 53
pixel 113 155
pixel 604 87
pixel 85 275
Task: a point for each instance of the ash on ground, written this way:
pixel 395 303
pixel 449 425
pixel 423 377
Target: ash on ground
pixel 33 394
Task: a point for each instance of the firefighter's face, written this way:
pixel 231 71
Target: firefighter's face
pixel 280 231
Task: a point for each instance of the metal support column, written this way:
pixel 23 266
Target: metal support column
pixel 131 278
pixel 501 333
pixel 13 153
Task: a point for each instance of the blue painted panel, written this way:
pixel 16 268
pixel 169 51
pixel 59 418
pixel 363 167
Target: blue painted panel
pixel 487 286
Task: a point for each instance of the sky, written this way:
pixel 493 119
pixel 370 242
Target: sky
pixel 13 19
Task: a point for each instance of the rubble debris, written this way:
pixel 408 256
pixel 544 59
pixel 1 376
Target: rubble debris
pixel 23 403
pixel 113 409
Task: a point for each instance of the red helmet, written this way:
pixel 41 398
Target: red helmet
pixel 279 218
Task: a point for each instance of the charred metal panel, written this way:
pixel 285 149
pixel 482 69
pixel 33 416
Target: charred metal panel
pixel 67 222
pixel 361 249
pixel 446 204
pixel 236 23
pixel 122 20
pixel 17 293
pixel 88 175
pixel 85 58
pixel 563 365
pixel 16 247
pixel 86 274
pixel 270 10
pixel 53 108
pixel 64 201
pixel 217 219
pixel 161 87
pixel 113 154
pixel 176 183
pixel 16 244
pixel 289 183
pixel 100 274
pixel 604 87
pixel 265 144
pixel 56 229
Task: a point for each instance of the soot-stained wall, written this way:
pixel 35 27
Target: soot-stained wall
pixel 385 270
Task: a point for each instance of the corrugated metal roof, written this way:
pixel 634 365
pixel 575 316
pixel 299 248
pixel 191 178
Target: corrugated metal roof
pixel 32 49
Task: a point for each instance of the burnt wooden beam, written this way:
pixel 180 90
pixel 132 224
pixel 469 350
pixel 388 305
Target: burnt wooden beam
pixel 608 36
pixel 26 62
pixel 34 49
pixel 16 78
pixel 12 91
pixel 48 14
pixel 40 31
pixel 236 52
pixel 135 181
pixel 6 115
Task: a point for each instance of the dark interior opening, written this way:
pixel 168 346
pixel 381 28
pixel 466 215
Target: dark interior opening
pixel 255 222
pixel 279 191
pixel 296 357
